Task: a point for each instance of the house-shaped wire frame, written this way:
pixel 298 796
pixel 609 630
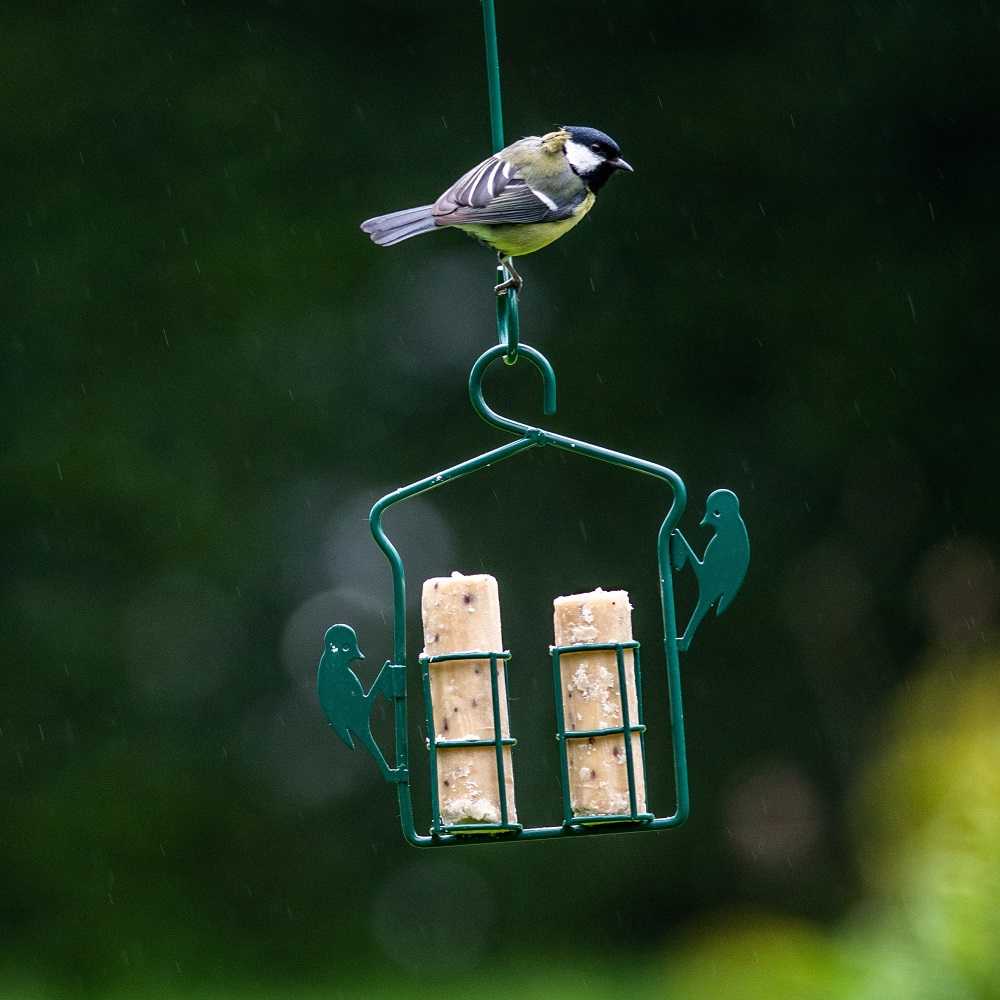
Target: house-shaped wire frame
pixel 340 691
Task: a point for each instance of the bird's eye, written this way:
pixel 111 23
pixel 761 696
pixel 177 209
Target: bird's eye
pixel 596 147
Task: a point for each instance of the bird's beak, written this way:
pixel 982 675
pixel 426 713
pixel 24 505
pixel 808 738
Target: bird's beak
pixel 358 655
pixel 704 521
pixel 619 164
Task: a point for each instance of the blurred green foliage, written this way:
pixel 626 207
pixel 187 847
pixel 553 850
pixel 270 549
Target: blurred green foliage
pixel 209 375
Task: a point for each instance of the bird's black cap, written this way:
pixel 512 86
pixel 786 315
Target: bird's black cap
pixel 594 137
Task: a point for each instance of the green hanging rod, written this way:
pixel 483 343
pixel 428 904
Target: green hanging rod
pixel 508 325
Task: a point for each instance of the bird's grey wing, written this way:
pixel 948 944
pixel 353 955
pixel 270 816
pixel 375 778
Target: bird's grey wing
pixel 493 193
pixel 476 188
pixel 516 204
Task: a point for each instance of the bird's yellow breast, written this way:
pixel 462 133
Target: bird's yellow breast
pixel 518 239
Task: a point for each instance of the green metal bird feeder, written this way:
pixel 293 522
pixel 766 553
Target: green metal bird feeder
pixel 595 659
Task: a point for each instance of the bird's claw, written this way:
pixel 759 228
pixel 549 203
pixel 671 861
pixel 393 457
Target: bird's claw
pixel 514 283
pixel 514 280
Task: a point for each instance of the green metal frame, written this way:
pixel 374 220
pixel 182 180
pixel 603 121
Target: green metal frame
pixel 720 572
pixel 528 437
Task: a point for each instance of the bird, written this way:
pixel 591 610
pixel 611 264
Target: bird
pixel 518 200
pixel 723 567
pixel 344 701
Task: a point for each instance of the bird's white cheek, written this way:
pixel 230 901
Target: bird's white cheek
pixel 581 159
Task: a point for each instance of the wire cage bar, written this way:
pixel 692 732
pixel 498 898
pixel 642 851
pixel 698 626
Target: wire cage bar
pixel 628 729
pixel 436 742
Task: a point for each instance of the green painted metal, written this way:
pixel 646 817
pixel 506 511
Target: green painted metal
pixel 723 566
pixel 633 815
pixel 719 572
pixel 493 74
pixel 348 706
pixel 508 325
pixel 345 702
pixel 499 741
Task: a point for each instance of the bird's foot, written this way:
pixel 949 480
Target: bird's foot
pixel 515 280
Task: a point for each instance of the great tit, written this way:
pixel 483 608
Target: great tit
pixel 520 199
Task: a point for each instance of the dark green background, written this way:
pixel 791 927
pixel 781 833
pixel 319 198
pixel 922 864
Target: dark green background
pixel 209 375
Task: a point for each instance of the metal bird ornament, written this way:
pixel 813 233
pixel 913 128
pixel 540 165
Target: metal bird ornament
pixel 343 698
pixel 721 569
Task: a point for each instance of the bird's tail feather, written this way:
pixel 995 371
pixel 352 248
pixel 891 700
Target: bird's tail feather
pixel 385 230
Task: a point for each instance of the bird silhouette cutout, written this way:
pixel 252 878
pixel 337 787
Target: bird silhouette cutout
pixel 343 698
pixel 721 569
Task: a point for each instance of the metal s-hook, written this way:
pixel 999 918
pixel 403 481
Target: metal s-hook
pixel 508 325
pixel 492 417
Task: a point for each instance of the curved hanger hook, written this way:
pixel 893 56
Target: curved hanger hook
pixel 476 386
